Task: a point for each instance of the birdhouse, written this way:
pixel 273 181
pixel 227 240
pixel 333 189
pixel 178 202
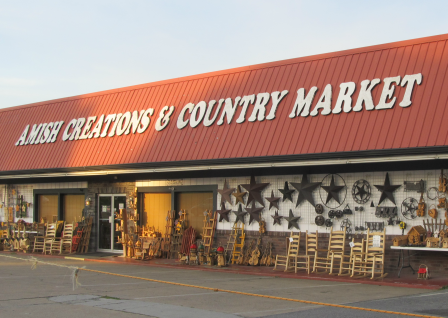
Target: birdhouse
pixel 432 242
pixel 416 235
pixel 445 243
pixel 443 234
pixel 400 240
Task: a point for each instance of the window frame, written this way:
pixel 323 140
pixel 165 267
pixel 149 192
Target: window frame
pixel 60 193
pixel 173 190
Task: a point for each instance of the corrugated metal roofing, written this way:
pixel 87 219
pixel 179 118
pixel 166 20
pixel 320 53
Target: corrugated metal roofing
pixel 423 124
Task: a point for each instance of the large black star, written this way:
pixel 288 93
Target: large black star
pixel 305 190
pixel 239 196
pixel 361 191
pixel 387 190
pixel 287 194
pixel 254 213
pixel 254 190
pixel 223 213
pixel 333 191
pixel 240 214
pixel 277 218
pixel 292 220
pixel 225 193
pixel 273 201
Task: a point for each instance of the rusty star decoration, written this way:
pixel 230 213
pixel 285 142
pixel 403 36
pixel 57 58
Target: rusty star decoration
pixel 273 201
pixel 292 220
pixel 254 190
pixel 239 196
pixel 287 194
pixel 305 189
pixel 225 193
pixel 223 213
pixel 254 213
pixel 240 214
pixel 387 190
pixel 277 218
pixel 332 191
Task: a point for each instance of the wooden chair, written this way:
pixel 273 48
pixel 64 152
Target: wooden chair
pixel 38 245
pixel 289 261
pixel 371 262
pixel 64 243
pixel 332 255
pixel 356 250
pixel 50 234
pixel 305 261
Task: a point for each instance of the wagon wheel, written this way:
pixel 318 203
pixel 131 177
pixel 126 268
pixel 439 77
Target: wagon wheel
pixel 319 220
pixel 409 208
pixel 319 208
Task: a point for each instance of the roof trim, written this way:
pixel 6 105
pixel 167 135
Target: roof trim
pixel 241 69
pixel 309 160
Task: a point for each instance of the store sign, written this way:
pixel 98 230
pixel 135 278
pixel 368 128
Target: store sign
pixel 223 111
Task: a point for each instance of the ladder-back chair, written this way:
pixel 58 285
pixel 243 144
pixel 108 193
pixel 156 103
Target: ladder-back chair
pixel 289 261
pixel 38 245
pixel 332 255
pixel 356 250
pixel 371 262
pixel 64 243
pixel 48 239
pixel 304 261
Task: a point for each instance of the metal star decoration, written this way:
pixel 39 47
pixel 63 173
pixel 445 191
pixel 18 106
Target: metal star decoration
pixel 292 220
pixel 240 214
pixel 223 213
pixel 273 201
pixel 277 218
pixel 305 190
pixel 361 191
pixel 333 191
pixel 225 193
pixel 287 194
pixel 254 213
pixel 254 191
pixel 387 190
pixel 239 196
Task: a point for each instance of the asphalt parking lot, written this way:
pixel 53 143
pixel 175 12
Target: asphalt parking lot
pixel 48 290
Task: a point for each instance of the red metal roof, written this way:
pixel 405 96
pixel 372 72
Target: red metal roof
pixel 423 124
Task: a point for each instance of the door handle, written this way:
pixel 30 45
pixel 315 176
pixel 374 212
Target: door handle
pixel 111 219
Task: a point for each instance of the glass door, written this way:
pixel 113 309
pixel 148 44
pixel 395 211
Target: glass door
pixel 109 206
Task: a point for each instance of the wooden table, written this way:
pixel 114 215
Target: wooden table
pixel 412 248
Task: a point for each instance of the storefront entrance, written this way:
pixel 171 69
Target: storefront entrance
pixel 108 236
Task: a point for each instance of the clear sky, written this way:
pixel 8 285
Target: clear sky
pixel 53 49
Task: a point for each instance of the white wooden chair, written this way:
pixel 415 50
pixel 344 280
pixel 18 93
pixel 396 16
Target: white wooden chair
pixel 371 262
pixel 356 250
pixel 289 261
pixel 332 255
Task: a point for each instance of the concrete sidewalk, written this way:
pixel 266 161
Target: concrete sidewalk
pixel 407 279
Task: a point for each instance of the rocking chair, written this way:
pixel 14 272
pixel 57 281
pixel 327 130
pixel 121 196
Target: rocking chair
pixel 289 261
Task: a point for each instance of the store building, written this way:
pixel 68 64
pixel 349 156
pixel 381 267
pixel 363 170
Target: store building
pixel 360 117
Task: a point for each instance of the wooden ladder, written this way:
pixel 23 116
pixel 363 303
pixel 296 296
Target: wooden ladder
pixel 238 245
pixel 168 233
pixel 86 235
pixel 176 242
pixel 208 230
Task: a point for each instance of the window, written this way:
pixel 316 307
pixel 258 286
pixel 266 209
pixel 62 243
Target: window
pixel 48 207
pixel 156 206
pixel 194 203
pixel 73 207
